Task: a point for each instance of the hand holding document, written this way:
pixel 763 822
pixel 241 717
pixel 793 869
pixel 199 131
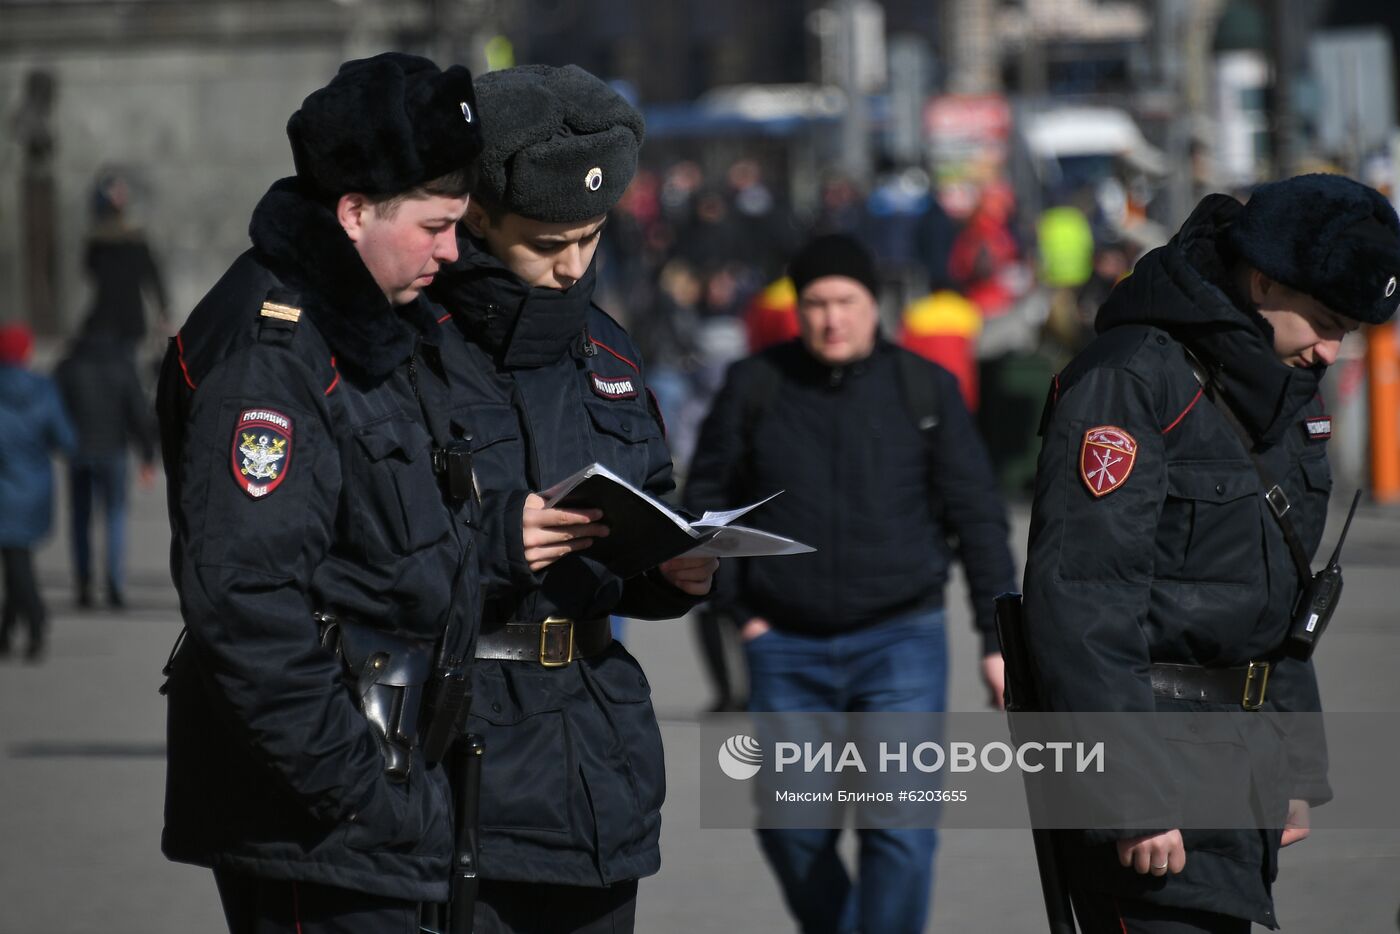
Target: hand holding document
pixel 643 531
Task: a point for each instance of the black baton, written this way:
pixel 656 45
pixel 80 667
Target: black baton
pixel 466 765
pixel 1020 696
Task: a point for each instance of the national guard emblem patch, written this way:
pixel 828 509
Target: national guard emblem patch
pixel 1106 458
pixel 262 450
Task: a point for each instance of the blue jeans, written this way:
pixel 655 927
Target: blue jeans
pixel 900 664
pixel 98 479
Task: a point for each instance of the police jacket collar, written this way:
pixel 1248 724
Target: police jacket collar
pixel 1184 289
pixel 300 239
pixel 519 325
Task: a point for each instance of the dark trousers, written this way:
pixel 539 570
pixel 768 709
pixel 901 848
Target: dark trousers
pixel 100 480
pixel 1104 914
pixel 715 633
pixel 538 908
pixel 275 906
pixel 21 599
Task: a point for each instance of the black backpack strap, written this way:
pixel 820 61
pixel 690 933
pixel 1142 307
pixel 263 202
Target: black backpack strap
pixel 919 387
pixel 757 390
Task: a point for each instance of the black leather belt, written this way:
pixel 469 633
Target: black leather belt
pixel 1244 685
pixel 553 643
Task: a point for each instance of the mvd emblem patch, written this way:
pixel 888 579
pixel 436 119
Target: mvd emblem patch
pixel 1318 428
pixel 1106 458
pixel 620 387
pixel 262 450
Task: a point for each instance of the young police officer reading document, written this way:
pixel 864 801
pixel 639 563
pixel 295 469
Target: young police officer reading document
pixel 572 779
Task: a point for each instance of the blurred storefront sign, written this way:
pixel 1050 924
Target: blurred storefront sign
pixel 967 135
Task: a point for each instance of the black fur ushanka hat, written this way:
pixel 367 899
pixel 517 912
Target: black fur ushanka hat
pixel 385 125
pixel 561 146
pixel 1327 236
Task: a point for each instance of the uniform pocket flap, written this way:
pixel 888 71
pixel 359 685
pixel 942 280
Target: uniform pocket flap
pixel 484 426
pixel 504 695
pixel 392 436
pixel 623 420
pixel 1316 473
pixel 1214 483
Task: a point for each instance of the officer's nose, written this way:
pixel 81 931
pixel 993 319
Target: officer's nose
pixel 445 249
pixel 569 269
pixel 1326 351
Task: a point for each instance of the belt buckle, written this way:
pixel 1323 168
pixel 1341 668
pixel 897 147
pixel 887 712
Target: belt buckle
pixel 1257 671
pixel 556 642
pixel 1278 502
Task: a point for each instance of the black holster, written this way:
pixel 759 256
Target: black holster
pixel 389 675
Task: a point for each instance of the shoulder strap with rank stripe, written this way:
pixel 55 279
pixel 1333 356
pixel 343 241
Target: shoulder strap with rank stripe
pixel 280 311
pixel 279 316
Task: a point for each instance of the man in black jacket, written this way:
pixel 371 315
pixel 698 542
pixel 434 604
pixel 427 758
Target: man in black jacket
pixel 880 489
pixel 1159 566
pixel 572 779
pixel 314 514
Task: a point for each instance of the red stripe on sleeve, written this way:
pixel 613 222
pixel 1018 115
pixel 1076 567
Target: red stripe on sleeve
pixel 615 353
pixel 1187 409
pixel 180 350
pixel 335 382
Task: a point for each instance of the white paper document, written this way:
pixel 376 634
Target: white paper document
pixel 736 541
pixel 643 531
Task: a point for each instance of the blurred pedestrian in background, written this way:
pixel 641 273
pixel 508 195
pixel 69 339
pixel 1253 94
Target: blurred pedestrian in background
pixel 110 412
pixel 771 315
pixel 32 426
pixel 881 470
pixel 119 261
pixel 944 327
pixel 985 258
pixel 669 340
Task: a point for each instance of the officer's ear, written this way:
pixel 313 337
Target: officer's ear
pixel 1260 287
pixel 477 219
pixel 352 211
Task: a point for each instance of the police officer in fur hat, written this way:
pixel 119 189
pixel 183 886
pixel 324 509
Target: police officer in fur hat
pixel 572 779
pixel 1182 490
pixel 322 547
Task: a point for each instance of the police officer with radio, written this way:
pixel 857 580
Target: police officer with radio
pixel 323 523
pixel 1181 493
pixel 572 778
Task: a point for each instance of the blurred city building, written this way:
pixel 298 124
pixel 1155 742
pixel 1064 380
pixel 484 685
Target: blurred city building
pixel 189 100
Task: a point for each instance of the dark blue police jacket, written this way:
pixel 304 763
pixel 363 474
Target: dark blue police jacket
pixel 301 480
pixel 573 777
